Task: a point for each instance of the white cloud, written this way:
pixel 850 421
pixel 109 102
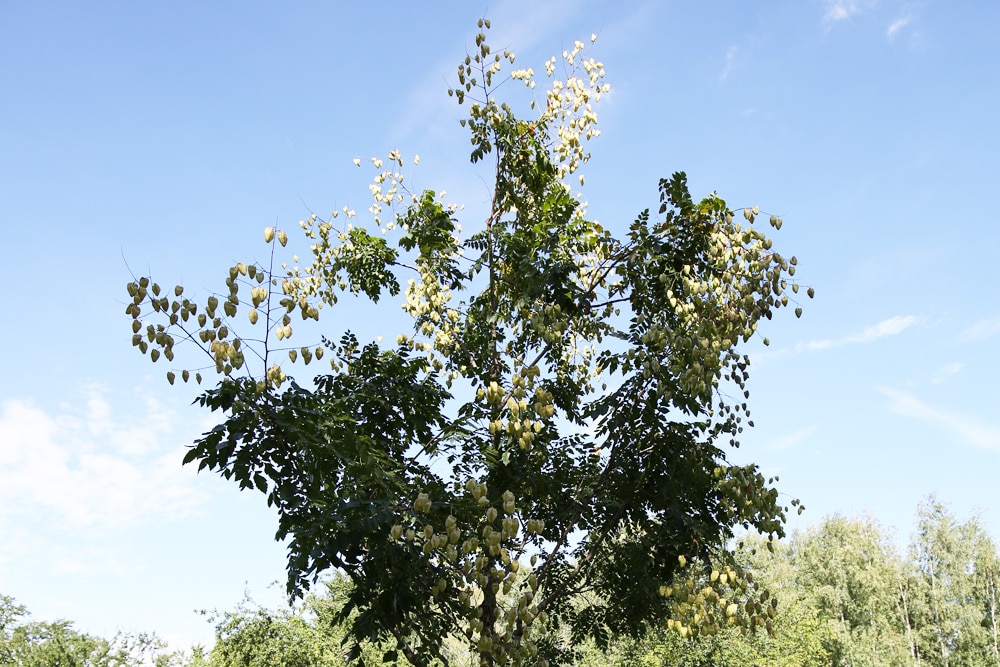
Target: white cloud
pixel 839 10
pixel 896 26
pixel 982 330
pixel 792 439
pixel 966 428
pixel 83 470
pixel 946 371
pixel 889 327
pixel 730 58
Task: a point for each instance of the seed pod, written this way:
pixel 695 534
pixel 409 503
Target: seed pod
pixel 268 234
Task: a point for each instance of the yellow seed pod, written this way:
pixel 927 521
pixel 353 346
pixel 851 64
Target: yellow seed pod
pixel 268 234
pixel 252 315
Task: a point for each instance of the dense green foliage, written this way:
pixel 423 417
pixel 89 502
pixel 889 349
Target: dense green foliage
pixel 848 599
pixel 553 428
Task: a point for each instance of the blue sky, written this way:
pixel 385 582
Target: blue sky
pixel 165 137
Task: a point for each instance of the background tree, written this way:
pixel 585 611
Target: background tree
pixel 552 427
pixel 987 587
pixel 800 639
pixel 28 643
pixel 252 636
pixel 849 569
pixel 956 628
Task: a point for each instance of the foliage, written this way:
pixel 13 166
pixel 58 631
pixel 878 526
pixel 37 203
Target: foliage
pixel 848 599
pixel 798 639
pixel 554 425
pixel 853 578
pixel 957 592
pixel 56 643
pixel 252 636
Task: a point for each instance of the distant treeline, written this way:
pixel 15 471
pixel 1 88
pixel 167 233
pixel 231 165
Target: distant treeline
pixel 848 597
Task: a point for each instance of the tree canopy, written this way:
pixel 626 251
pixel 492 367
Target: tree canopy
pixel 552 427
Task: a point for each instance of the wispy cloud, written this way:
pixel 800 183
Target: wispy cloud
pixel 966 428
pixel 889 327
pixel 883 329
pixel 85 471
pixel 947 371
pixel 839 10
pixel 982 330
pixel 792 439
pixel 730 59
pixel 896 26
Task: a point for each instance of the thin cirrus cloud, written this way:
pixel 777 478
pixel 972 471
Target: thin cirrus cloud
pixel 792 439
pixel 889 327
pixel 968 429
pixel 982 330
pixel 839 10
pixel 896 26
pixel 730 59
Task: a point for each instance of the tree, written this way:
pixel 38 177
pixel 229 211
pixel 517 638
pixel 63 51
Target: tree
pixel 554 424
pixel 958 626
pixel 849 571
pixel 987 587
pixel 57 643
pixel 253 636
pixel 800 639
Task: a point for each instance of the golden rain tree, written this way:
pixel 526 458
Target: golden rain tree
pixel 535 461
